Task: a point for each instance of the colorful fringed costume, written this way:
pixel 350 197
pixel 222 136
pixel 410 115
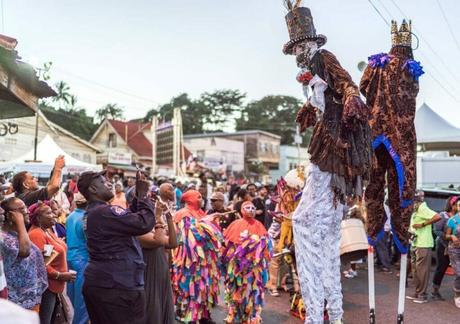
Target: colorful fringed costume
pixel 195 269
pixel 390 85
pixel 245 265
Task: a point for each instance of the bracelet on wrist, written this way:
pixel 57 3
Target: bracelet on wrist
pixel 58 275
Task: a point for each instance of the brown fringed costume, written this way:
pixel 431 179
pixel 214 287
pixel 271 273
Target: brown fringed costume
pixel 390 85
pixel 340 143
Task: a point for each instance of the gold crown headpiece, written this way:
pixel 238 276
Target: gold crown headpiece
pixel 403 36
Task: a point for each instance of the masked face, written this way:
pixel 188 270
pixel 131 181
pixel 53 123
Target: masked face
pixel 303 52
pixel 248 210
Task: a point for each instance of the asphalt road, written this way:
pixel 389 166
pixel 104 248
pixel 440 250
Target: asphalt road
pixel 276 310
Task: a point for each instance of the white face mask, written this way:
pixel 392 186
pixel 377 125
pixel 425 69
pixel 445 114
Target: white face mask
pixel 304 51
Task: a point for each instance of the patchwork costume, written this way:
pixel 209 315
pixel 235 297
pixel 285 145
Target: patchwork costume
pixel 245 264
pixel 195 263
pixel 390 85
pixel 340 163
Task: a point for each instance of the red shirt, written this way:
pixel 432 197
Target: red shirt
pixel 40 237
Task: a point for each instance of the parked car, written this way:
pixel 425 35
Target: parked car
pixel 436 199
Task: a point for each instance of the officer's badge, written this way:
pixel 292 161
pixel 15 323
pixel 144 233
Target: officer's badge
pixel 118 211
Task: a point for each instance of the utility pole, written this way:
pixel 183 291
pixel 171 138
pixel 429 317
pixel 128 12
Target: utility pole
pixel 298 141
pixel 153 129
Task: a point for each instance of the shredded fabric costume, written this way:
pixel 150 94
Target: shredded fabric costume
pixel 340 150
pixel 195 269
pixel 245 266
pixel 340 164
pixel 390 85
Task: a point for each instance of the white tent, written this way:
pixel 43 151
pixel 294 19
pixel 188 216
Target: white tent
pixel 47 151
pixel 432 128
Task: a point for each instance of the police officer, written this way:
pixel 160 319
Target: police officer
pixel 114 278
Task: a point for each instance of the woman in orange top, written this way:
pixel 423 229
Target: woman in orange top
pixel 41 234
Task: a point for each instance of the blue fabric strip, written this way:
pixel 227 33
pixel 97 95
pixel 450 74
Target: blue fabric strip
pixel 382 139
pixel 403 249
pixel 377 239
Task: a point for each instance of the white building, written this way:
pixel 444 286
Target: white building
pixel 17 138
pixel 290 157
pixel 214 151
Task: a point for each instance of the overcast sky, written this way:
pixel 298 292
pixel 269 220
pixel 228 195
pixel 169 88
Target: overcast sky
pixel 153 50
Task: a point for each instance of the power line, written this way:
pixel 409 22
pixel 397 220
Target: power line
pixel 385 8
pixel 428 72
pixel 448 25
pixel 379 13
pixel 428 44
pixel 107 87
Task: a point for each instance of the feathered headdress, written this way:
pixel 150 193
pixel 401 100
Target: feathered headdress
pixel 292 4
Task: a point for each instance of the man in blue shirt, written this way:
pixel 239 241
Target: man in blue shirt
pixel 77 258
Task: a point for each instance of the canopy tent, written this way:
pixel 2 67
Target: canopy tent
pixel 432 128
pixel 434 133
pixel 47 151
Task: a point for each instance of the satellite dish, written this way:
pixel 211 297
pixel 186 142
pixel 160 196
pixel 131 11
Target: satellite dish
pixel 361 66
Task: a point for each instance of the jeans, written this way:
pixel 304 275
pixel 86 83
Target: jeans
pixel 47 306
pixel 442 262
pixel 383 252
pixel 74 291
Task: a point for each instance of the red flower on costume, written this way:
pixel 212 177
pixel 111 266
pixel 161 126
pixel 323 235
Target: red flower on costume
pixel 304 76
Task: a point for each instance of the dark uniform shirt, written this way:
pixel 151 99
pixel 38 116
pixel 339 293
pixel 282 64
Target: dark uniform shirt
pixel 115 254
pixel 225 220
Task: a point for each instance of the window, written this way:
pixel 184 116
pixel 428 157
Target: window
pixel 112 142
pixel 11 141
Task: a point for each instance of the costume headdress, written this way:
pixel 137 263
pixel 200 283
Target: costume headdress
pixel 300 26
pixel 403 36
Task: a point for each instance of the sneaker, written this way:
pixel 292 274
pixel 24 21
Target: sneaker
pixel 421 300
pixel 386 270
pixel 412 297
pixel 348 275
pixel 274 292
pixel 457 302
pixel 353 272
pixel 436 296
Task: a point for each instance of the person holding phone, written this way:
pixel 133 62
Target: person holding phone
pixel 113 288
pixel 41 234
pixel 23 263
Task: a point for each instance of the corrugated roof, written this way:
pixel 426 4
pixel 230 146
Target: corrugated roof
pixel 133 131
pixel 432 128
pixel 245 132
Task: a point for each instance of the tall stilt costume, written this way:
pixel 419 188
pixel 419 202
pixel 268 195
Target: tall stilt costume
pixel 196 262
pixel 245 264
pixel 390 85
pixel 340 163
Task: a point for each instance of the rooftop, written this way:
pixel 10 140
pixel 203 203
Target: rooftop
pixel 245 132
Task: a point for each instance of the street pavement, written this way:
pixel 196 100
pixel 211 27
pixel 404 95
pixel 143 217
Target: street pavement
pixel 276 310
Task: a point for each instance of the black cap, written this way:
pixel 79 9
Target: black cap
pixel 85 181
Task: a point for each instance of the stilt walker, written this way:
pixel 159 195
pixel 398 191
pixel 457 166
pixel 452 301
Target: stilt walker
pixel 390 85
pixel 340 150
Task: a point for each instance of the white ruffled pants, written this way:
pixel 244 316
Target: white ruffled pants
pixel 316 225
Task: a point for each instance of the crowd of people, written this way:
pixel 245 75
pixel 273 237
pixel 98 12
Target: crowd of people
pixel 102 249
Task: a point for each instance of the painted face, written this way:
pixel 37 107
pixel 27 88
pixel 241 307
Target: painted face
pixel 303 51
pixel 248 210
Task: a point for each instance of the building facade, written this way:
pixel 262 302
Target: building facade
pixel 17 137
pixel 215 152
pixel 290 158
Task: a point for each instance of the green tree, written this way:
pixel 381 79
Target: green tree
pixel 63 94
pixel 275 114
pixel 109 111
pixel 221 108
pixel 211 112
